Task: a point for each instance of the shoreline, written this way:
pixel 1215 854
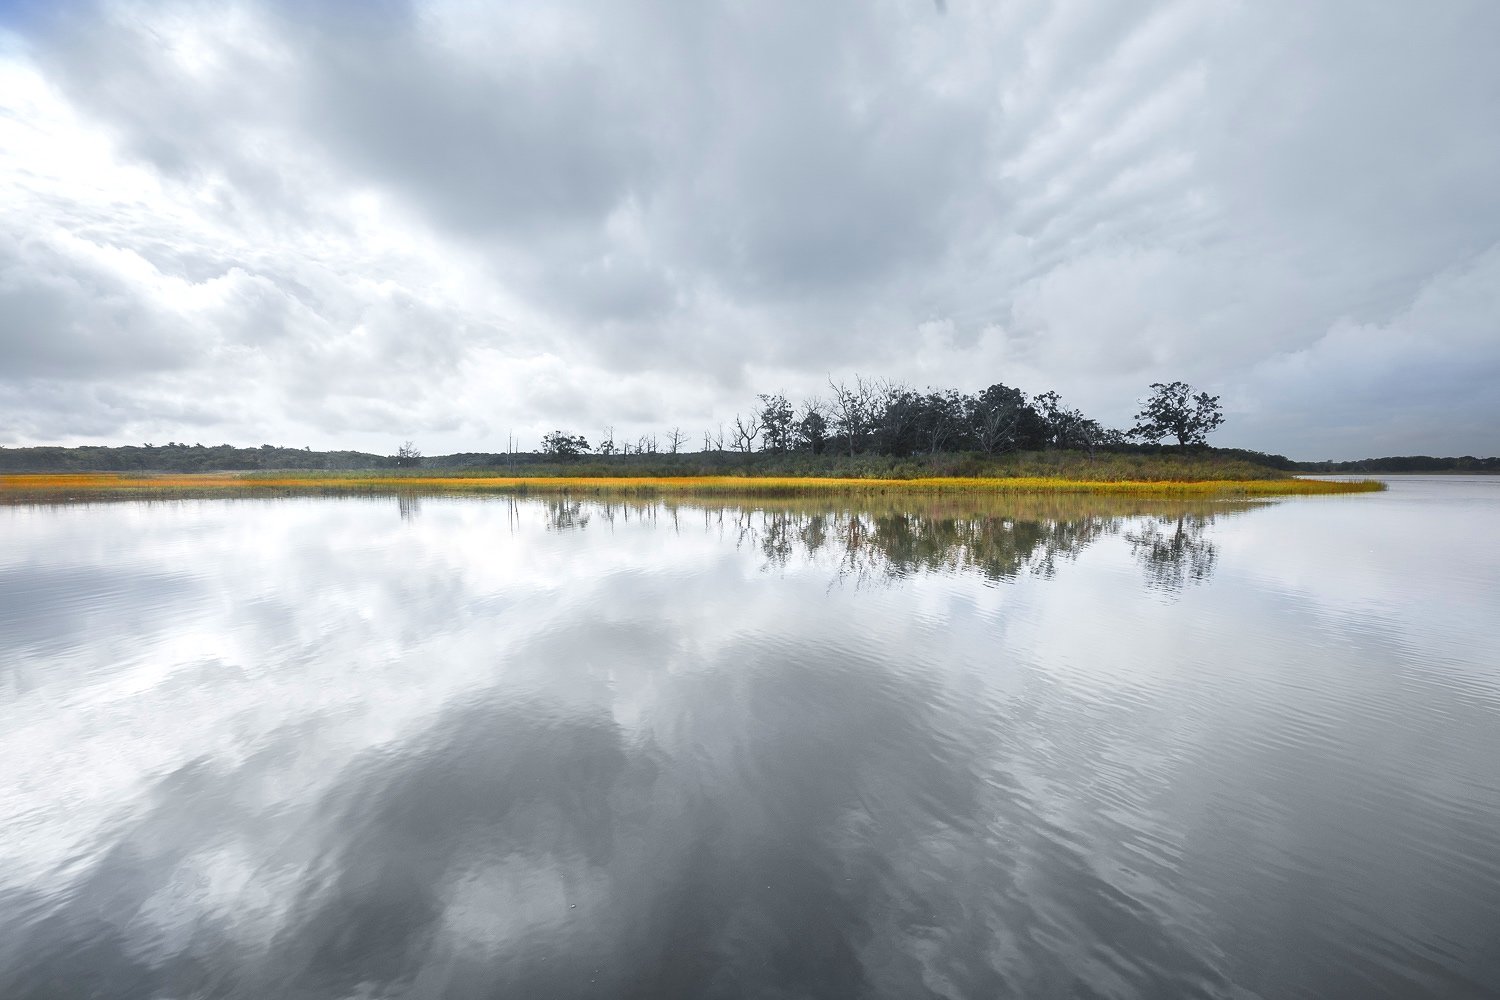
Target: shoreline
pixel 55 486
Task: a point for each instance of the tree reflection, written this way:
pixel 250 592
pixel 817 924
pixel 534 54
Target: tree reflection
pixel 996 538
pixel 1174 552
pixel 568 515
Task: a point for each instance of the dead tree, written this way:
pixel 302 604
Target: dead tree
pixel 745 432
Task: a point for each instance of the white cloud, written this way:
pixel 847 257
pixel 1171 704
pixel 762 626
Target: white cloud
pixel 451 221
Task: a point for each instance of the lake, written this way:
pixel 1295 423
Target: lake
pixel 430 746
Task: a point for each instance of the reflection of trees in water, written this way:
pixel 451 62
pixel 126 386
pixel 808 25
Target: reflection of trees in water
pixel 1174 552
pixel 895 544
pixel 997 539
pixel 777 539
pixel 792 819
pixel 996 548
pixel 566 515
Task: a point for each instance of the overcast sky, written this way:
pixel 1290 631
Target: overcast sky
pixel 347 224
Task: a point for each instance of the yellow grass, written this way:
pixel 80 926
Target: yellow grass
pixel 99 485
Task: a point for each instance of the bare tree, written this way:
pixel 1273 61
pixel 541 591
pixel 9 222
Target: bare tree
pixel 851 407
pixel 646 445
pixel 607 442
pixel 994 429
pixel 745 431
pixel 407 456
pixel 676 439
pixel 1089 434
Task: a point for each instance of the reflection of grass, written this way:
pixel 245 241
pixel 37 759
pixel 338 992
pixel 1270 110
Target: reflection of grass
pixel 110 485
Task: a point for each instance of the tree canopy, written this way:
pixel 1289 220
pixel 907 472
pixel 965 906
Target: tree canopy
pixel 564 445
pixel 1173 410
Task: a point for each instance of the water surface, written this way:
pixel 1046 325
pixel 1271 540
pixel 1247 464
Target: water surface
pixel 479 747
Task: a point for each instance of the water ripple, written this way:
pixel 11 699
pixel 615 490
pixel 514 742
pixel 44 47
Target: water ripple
pixel 332 748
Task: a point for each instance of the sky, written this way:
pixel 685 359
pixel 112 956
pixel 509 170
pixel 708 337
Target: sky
pixel 462 223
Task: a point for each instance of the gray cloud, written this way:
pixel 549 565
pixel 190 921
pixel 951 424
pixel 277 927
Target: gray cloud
pixel 447 220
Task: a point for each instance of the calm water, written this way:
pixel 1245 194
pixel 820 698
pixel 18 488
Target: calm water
pixel 482 748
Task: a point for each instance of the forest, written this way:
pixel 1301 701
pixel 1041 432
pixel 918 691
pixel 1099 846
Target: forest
pixel 888 418
pixel 862 427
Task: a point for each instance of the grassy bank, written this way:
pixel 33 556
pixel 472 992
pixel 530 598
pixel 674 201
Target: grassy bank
pixel 106 485
pixel 1136 463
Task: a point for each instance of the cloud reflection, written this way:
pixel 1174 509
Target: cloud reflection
pixel 571 749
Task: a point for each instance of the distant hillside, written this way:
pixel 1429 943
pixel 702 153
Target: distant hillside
pixel 1405 463
pixel 174 457
pixel 183 458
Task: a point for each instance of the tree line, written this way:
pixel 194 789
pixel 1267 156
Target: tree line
pixel 177 456
pixel 1407 463
pixel 884 417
